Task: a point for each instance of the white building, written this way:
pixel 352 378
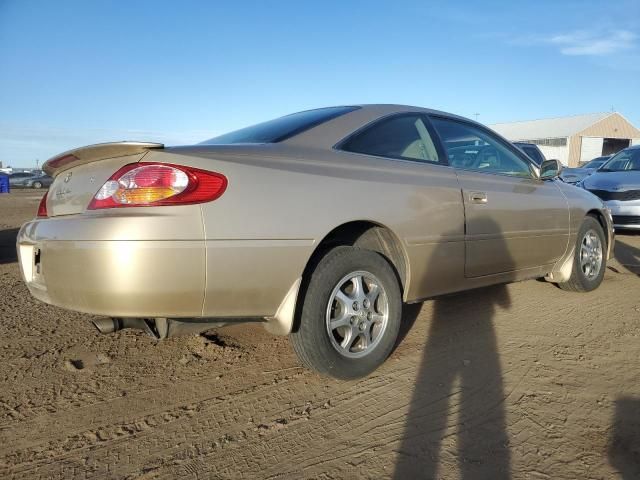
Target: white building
pixel 574 139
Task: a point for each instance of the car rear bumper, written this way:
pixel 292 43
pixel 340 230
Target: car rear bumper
pixel 115 278
pixel 107 265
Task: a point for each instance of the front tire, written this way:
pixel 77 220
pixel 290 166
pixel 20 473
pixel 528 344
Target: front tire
pixel 37 185
pixel 590 261
pixel 350 314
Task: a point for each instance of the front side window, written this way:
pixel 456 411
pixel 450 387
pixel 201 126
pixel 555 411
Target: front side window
pixel 405 137
pixel 471 148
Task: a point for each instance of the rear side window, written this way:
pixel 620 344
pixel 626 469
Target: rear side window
pixel 405 137
pixel 281 128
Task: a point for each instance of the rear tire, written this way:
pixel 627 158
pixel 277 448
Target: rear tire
pixel 37 185
pixel 590 260
pixel 350 314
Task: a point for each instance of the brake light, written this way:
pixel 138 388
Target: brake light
pixel 42 207
pixel 155 184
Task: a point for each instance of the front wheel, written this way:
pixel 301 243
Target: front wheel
pixel 589 262
pixel 350 314
pixel 37 185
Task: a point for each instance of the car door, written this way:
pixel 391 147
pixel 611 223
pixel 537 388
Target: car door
pixel 27 177
pixel 429 216
pixel 513 220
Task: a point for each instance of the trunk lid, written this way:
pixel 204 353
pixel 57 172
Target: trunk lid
pixel 79 173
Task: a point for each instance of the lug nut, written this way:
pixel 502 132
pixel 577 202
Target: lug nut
pixel 355 306
pixel 366 303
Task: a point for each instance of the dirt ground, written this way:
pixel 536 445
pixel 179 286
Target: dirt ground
pixel 519 381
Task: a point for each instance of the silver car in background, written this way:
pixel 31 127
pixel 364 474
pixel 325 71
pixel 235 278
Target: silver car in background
pixel 617 183
pixel 575 175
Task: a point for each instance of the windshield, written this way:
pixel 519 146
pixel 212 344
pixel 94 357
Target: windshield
pixel 281 128
pixel 594 163
pixel 625 160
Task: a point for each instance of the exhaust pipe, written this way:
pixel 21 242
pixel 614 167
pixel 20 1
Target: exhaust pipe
pixel 112 325
pixel 106 325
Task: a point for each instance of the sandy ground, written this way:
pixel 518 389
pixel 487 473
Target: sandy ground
pixel 519 381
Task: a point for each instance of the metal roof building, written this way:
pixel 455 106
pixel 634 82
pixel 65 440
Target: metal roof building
pixel 574 139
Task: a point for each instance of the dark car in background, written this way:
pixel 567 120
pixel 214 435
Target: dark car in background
pixel 532 150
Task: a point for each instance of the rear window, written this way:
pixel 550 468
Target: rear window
pixel 281 128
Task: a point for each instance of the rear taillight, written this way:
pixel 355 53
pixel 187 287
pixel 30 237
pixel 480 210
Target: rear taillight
pixel 155 184
pixel 42 207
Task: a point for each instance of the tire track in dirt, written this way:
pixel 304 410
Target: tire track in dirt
pixel 380 392
pixel 203 439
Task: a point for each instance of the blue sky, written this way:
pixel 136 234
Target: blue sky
pixel 79 72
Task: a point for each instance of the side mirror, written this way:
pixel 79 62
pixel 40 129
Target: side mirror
pixel 550 169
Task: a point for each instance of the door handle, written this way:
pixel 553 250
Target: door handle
pixel 478 197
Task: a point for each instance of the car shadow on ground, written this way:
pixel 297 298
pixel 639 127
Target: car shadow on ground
pixel 8 253
pixel 627 255
pixel 457 411
pixel 624 444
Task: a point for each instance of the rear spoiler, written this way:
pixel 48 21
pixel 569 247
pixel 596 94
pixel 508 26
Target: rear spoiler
pixel 93 153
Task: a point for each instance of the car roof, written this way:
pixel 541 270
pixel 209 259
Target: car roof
pixel 329 133
pixel 390 108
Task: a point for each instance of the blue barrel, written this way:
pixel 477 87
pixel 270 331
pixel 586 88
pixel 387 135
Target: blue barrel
pixel 4 183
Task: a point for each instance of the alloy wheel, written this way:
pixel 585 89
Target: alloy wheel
pixel 357 314
pixel 591 254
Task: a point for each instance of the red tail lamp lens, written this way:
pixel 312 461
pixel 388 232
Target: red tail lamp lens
pixel 155 184
pixel 42 207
